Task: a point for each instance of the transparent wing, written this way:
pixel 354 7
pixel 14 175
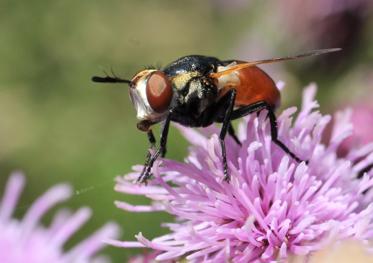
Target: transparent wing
pixel 272 60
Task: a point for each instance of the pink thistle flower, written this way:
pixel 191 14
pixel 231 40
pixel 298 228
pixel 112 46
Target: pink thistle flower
pixel 27 240
pixel 273 207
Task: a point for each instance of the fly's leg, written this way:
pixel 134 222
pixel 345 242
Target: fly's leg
pixel 258 106
pixel 232 133
pixel 223 132
pixel 274 134
pixel 152 143
pixel 146 173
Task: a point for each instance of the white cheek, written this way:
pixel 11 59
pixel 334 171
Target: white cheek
pixel 141 104
pixel 140 101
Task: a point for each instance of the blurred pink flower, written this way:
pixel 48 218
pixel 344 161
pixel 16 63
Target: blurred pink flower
pixel 27 240
pixel 327 23
pixel 362 119
pixel 273 207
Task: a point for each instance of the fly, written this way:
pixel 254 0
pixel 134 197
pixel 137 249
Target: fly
pixel 197 91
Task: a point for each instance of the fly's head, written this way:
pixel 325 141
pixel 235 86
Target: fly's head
pixel 151 94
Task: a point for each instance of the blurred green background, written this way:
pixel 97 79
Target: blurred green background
pixel 58 126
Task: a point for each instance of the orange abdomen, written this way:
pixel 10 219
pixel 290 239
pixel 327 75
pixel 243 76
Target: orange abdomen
pixel 255 85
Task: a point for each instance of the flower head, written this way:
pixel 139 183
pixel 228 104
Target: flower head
pixel 27 240
pixel 273 206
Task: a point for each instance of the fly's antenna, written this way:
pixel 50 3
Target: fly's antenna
pixel 109 79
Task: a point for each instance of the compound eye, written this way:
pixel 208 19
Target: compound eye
pixel 159 91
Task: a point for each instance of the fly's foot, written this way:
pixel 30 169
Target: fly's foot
pixel 144 176
pixel 227 176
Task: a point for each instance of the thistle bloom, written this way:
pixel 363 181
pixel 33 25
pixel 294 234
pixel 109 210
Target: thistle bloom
pixel 27 240
pixel 273 207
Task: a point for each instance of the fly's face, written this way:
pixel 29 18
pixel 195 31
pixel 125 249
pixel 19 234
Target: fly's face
pixel 151 94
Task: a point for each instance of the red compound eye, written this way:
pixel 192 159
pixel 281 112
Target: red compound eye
pixel 159 91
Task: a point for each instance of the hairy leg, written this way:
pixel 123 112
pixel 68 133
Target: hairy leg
pixel 258 106
pixel 146 173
